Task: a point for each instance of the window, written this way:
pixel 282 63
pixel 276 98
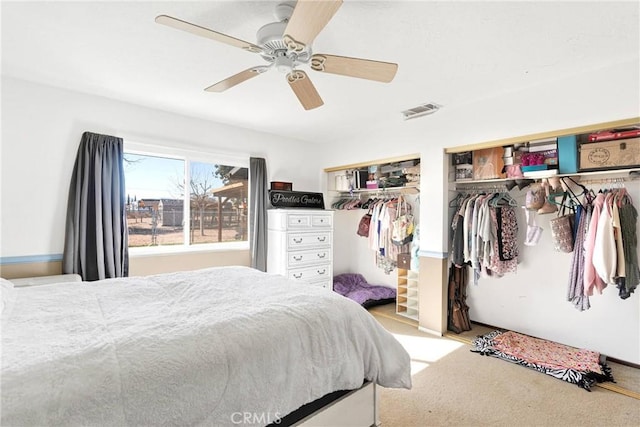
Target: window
pixel 163 211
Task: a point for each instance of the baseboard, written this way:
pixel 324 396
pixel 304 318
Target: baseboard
pixel 430 331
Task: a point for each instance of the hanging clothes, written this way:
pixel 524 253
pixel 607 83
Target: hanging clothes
pixel 591 278
pixel 485 235
pixel 576 294
pixel 628 221
pixel 604 251
pixel 459 234
pixel 384 212
pixel 609 248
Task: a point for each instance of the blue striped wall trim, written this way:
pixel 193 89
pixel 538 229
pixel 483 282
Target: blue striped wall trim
pixel 432 254
pixel 29 259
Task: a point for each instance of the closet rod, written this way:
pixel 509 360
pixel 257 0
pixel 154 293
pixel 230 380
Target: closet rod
pixel 609 180
pixel 496 188
pixel 369 194
pixel 398 191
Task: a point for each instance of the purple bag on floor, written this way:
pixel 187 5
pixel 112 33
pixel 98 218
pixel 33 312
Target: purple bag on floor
pixel 354 286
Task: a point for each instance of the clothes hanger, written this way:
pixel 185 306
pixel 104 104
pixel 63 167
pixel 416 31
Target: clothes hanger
pixel 502 197
pixel 456 201
pixel 582 187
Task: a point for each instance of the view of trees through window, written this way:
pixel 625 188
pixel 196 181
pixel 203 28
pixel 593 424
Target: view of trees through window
pixel 216 198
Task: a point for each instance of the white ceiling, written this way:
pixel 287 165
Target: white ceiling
pixel 451 53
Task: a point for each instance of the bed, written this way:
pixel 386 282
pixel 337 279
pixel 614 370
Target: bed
pixel 218 346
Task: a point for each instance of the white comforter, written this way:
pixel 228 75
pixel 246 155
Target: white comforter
pixel 191 348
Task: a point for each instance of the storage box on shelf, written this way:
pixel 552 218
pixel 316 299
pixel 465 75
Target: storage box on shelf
pixel 613 154
pixel 281 186
pixel 488 163
pixel 567 154
pixel 463 164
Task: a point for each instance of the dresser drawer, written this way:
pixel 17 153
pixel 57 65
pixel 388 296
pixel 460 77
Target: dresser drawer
pixel 327 284
pixel 309 220
pixel 311 274
pixel 305 240
pixel 301 258
pixel 321 220
pixel 298 221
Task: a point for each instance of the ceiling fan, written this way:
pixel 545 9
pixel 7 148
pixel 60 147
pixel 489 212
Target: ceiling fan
pixel 286 45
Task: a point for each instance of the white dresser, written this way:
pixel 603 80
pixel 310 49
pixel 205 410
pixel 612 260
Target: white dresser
pixel 301 245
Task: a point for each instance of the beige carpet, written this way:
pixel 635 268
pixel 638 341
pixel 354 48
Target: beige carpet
pixel 455 387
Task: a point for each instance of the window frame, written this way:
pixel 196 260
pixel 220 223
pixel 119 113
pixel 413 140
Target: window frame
pixel 189 155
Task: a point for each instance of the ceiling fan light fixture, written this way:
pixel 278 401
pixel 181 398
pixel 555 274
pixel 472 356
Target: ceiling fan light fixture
pixel 284 63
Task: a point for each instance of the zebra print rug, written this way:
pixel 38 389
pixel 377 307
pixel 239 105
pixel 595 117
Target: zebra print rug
pixel 577 366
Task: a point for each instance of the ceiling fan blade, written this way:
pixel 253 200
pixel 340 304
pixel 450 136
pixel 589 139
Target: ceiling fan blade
pixel 309 17
pixel 205 32
pixel 304 89
pixel 354 67
pixel 242 76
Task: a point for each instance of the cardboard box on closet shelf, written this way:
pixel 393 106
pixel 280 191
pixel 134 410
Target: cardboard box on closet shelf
pixel 404 261
pixel 517 156
pixel 488 163
pixel 619 153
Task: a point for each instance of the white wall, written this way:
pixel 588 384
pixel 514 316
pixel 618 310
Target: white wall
pixel 41 130
pixel 533 300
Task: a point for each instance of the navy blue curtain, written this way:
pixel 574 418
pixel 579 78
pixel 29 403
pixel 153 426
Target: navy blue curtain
pixel 96 237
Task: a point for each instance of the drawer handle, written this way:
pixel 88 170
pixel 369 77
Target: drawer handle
pixel 297 275
pixel 321 239
pixel 297 240
pixel 321 272
pixel 299 221
pixel 321 255
pixel 298 258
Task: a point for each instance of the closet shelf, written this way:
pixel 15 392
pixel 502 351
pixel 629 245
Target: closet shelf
pixel 580 174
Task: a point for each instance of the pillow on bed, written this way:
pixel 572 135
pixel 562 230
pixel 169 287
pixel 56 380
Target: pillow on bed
pixel 8 296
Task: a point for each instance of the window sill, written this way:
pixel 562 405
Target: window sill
pixel 148 251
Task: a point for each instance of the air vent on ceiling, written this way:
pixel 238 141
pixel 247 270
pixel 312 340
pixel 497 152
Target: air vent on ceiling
pixel 421 110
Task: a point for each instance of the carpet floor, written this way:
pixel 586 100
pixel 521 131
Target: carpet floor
pixel 453 386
